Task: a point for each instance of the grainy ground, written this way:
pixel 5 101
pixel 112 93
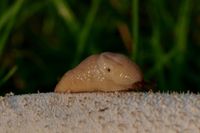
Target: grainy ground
pixel 100 112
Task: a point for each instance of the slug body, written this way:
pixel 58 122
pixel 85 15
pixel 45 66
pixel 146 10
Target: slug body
pixel 104 72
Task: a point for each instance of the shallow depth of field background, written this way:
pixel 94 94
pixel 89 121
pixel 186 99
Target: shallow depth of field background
pixel 41 40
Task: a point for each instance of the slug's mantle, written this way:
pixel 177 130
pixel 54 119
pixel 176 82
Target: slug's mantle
pixel 100 112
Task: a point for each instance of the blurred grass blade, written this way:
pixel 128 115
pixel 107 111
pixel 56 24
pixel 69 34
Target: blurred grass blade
pixel 158 55
pixel 30 10
pixel 5 18
pixel 135 28
pixel 8 75
pixel 4 36
pixel 10 13
pixel 85 30
pixel 165 60
pixel 7 21
pixel 67 14
pixel 182 28
pixel 181 33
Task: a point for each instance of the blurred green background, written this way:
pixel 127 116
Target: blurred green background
pixel 41 40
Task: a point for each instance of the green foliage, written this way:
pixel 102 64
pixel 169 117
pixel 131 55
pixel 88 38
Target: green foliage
pixel 40 40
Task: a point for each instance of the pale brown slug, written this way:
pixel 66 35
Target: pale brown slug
pixel 104 72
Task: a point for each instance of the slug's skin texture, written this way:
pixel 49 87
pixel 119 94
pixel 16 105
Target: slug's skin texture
pixel 104 72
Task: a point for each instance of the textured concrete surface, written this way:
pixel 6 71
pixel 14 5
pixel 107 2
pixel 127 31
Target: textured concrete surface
pixel 100 112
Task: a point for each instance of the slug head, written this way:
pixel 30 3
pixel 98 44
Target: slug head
pixel 119 69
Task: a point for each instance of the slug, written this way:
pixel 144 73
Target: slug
pixel 102 72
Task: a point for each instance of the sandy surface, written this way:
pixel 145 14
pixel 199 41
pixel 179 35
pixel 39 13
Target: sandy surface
pixel 100 112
